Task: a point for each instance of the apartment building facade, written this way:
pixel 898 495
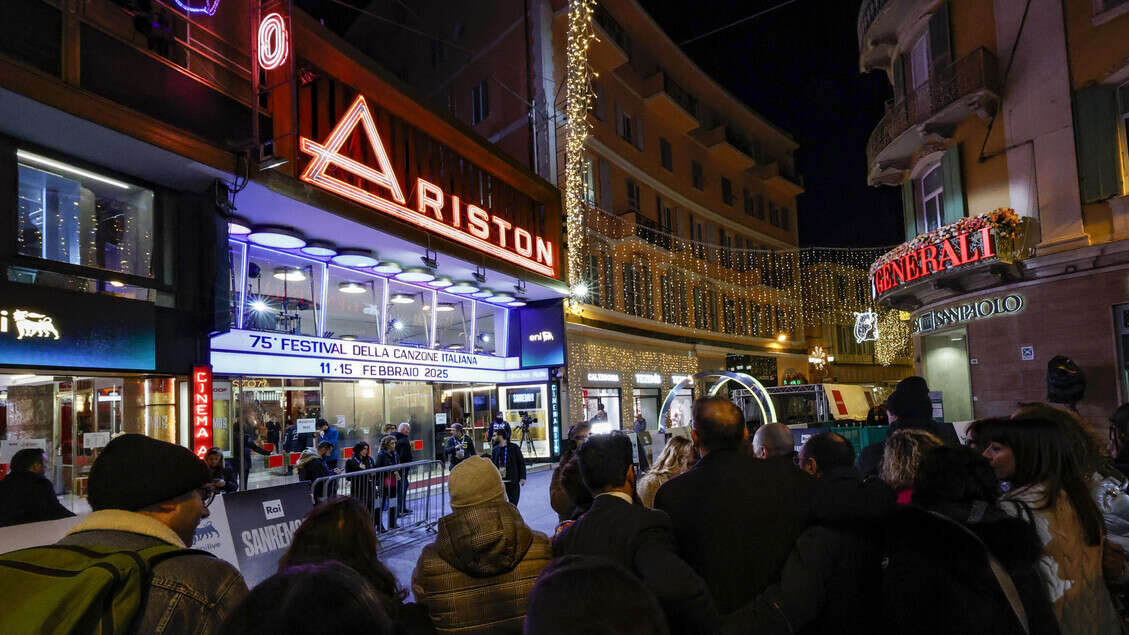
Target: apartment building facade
pixel 1006 135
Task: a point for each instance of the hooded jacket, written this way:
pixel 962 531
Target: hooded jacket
pixel 476 576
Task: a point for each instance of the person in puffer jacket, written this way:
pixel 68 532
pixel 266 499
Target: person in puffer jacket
pixel 476 576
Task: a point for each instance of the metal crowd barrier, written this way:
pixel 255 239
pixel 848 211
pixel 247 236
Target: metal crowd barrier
pixel 417 491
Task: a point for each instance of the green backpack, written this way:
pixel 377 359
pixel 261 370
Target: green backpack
pixel 72 589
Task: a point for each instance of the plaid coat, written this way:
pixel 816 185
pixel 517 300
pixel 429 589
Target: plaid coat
pixel 476 576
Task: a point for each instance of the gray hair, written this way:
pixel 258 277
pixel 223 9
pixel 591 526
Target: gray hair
pixel 404 426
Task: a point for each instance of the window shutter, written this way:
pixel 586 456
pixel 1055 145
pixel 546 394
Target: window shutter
pixel 940 49
pixel 1095 135
pixel 899 78
pixel 605 185
pixel 953 195
pixel 909 210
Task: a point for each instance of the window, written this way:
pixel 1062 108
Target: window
pixel 281 292
pixel 480 102
pixel 699 242
pixel 773 214
pixel 589 182
pixel 785 218
pixel 637 297
pixel 724 248
pixel 672 287
pixel 600 107
pixel 597 274
pixel 666 155
pixel 632 196
pixel 750 202
pixel 1105 5
pixel 919 62
pixel 932 198
pixel 760 207
pixel 711 298
pixel 726 191
pixel 701 318
pixel 696 175
pixel 1123 95
pixel 626 132
pixel 74 216
pixel 739 253
pixel 438 54
pixel 728 315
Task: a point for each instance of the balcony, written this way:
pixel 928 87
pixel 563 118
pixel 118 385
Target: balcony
pixel 670 102
pixel 726 147
pixel 927 116
pixel 612 46
pixel 881 22
pixel 781 177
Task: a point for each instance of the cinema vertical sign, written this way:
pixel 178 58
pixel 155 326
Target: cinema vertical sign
pixel 434 209
pixel 201 409
pixel 943 254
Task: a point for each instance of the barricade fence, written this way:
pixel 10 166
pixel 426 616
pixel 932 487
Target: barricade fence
pixel 399 498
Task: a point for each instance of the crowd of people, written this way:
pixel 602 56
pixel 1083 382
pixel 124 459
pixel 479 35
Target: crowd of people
pixel 1020 531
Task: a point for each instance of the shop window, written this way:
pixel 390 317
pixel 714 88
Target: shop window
pixel 409 322
pixel 602 409
pixel 71 215
pixel 932 198
pixel 453 322
pixel 354 306
pixel 283 292
pixel 490 329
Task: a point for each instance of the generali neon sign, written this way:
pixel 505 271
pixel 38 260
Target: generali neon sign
pixel 434 210
pixel 938 257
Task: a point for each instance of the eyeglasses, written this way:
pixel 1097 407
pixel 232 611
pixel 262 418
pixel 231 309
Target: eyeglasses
pixel 207 495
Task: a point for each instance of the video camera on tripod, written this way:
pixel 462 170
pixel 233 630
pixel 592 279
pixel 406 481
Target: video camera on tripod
pixel 526 421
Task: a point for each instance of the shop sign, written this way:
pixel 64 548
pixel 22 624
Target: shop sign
pixel 542 341
pixel 935 319
pixel 648 379
pixel 273 41
pixel 943 255
pixel 258 353
pixel 555 416
pixel 434 210
pixel 678 379
pixel 261 524
pixel 604 377
pixel 201 409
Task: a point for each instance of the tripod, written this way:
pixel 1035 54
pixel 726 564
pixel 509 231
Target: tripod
pixel 525 438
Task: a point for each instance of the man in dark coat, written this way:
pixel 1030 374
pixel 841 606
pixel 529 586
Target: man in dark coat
pixel 311 467
pixel 458 447
pixel 908 406
pixel 26 496
pixel 835 566
pixel 510 463
pixel 619 529
pixel 403 455
pixel 499 423
pixel 248 446
pixel 735 517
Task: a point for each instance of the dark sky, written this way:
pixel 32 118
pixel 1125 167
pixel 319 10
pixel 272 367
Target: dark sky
pixel 798 66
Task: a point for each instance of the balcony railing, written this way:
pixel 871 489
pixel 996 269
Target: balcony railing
pixel 867 13
pixel 680 95
pixel 976 71
pixel 613 28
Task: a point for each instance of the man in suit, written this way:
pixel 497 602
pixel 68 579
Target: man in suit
pixel 735 518
pixel 619 529
pixel 403 455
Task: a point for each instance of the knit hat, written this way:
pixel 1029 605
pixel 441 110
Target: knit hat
pixel 475 481
pixel 134 471
pixel 910 399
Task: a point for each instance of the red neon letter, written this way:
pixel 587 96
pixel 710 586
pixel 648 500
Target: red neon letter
pixel 429 197
pixel 544 252
pixel 521 236
pixel 202 409
pixel 503 227
pixel 478 221
pixel 274 44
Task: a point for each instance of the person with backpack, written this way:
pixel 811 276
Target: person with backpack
pixel 125 567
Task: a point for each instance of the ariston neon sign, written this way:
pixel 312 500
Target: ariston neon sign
pixel 274 45
pixel 466 223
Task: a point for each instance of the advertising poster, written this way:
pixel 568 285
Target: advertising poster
pixel 213 534
pixel 261 522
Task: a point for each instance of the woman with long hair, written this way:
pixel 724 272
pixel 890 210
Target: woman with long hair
pixel 1045 461
pixel 388 481
pixel 677 457
pixel 339 529
pixel 901 459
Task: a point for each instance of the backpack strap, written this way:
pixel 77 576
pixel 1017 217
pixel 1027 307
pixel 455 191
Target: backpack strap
pixel 1003 578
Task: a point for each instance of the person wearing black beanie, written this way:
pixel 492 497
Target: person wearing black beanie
pixel 909 406
pixel 147 493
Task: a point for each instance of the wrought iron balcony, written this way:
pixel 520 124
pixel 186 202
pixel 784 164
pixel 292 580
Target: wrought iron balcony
pixel 928 113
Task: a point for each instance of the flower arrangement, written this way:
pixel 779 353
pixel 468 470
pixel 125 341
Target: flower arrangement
pixel 1004 221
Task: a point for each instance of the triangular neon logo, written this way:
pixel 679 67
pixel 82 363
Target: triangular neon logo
pixel 330 154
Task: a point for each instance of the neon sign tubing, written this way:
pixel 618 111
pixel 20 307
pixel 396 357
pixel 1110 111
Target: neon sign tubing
pixel 273 43
pixel 209 8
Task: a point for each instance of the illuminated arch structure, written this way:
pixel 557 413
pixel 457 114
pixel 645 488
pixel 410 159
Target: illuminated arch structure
pixel 748 382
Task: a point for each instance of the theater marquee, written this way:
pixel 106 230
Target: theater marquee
pixel 434 209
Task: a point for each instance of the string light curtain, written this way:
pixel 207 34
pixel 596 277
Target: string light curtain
pixel 578 98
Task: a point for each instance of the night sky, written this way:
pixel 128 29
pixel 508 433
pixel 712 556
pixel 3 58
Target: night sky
pixel 798 66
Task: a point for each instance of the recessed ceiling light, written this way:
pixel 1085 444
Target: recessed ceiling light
pixel 463 287
pixel 289 274
pixel 276 236
pixel 483 293
pixel 354 258
pixel 388 267
pixel 117 284
pixel 456 347
pixel 321 248
pixel 415 274
pixel 349 338
pixel 516 303
pixel 440 283
pixel 351 287
pixel 238 226
pixel 402 298
pixel 500 298
pixel 445 307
